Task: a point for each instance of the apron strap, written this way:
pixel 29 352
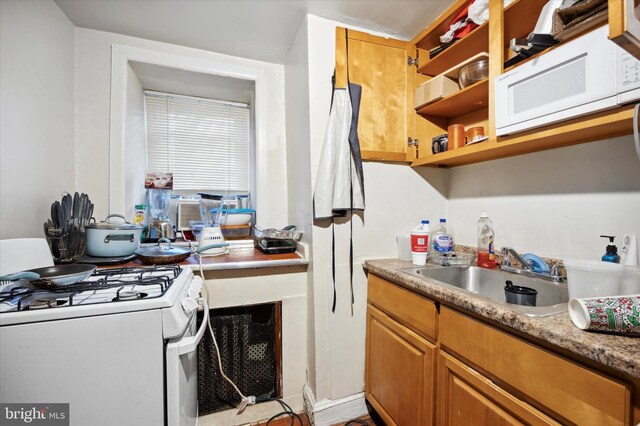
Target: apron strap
pixel 346 32
pixel 333 264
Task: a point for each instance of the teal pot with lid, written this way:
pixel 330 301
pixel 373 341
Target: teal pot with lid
pixel 112 239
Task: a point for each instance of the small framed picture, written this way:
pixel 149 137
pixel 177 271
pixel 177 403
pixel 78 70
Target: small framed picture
pixel 158 180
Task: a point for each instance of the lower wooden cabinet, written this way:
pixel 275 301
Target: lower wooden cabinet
pixel 566 389
pixel 429 364
pixel 465 397
pixel 400 368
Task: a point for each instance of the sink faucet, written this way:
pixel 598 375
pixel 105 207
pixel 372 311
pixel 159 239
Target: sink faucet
pixel 526 268
pixel 507 262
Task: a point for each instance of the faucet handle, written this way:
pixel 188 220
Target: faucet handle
pixel 505 260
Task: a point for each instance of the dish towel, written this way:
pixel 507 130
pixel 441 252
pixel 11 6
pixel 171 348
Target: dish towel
pixel 613 314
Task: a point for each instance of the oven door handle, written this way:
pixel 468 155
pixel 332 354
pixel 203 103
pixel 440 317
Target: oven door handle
pixel 189 344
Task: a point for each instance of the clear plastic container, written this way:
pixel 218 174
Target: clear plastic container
pixel 282 234
pixel 404 246
pixel 593 278
pixel 630 283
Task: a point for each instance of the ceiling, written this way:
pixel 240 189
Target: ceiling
pixel 256 29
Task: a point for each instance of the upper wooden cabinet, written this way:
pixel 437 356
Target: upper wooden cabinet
pixel 381 67
pixel 388 119
pixel 624 25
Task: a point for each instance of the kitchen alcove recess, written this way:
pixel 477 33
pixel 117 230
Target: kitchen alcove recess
pixel 389 124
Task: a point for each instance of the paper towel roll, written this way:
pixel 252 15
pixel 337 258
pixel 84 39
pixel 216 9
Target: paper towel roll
pixel 615 314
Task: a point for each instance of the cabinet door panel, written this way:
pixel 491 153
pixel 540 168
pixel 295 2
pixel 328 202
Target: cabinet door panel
pixel 399 371
pixel 466 397
pixel 386 117
pixel 624 25
pixel 578 394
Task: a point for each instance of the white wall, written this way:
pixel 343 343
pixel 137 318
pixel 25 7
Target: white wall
pixel 37 160
pixel 554 203
pixel 397 198
pixel 93 97
pixel 134 134
pixel 298 165
pixel 250 287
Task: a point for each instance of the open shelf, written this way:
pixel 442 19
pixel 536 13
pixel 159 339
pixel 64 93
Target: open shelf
pixel 590 128
pixel 469 99
pixel 430 36
pixel 477 41
pixel 520 18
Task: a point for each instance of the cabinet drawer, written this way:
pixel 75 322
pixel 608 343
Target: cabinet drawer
pixel 577 394
pixel 465 394
pixel 410 309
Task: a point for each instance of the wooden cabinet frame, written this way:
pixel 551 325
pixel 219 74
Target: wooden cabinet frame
pixel 516 20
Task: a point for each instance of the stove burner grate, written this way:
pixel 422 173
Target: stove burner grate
pixel 156 279
pixel 44 304
pixel 129 295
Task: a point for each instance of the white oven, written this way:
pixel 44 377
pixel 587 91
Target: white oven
pixel 182 372
pixel 119 349
pixel 583 76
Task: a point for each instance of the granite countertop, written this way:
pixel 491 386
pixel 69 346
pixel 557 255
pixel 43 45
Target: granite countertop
pixel 621 353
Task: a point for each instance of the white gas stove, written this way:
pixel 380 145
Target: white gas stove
pixel 120 347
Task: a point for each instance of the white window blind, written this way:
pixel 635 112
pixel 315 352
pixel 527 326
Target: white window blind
pixel 203 142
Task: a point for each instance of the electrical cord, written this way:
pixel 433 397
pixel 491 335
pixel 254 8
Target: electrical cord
pixel 287 410
pixel 245 400
pixel 356 422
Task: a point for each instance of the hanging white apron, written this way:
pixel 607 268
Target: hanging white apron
pixel 337 174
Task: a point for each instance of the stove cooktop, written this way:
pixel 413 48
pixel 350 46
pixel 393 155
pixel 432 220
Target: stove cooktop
pixel 105 286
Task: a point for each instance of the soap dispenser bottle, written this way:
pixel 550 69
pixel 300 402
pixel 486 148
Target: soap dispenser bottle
pixel 612 251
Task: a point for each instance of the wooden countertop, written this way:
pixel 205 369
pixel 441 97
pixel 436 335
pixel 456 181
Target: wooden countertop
pixel 244 258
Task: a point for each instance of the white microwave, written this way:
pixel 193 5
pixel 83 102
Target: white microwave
pixel 586 75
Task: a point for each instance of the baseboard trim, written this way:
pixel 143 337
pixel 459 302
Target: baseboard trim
pixel 331 411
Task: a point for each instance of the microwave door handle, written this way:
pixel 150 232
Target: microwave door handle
pixel 189 344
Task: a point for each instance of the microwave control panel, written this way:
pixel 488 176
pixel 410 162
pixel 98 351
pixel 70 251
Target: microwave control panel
pixel 629 71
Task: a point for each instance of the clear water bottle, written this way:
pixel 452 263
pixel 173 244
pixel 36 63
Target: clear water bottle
pixel 486 235
pixel 441 239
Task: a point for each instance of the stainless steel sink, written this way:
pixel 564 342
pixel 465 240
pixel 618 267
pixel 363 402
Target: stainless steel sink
pixel 552 298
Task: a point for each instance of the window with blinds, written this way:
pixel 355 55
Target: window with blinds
pixel 203 142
